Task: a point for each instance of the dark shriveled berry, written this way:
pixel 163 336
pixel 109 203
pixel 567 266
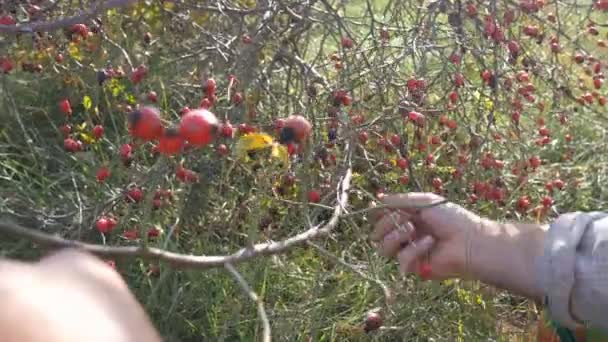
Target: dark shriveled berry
pixel 287 135
pixel 373 321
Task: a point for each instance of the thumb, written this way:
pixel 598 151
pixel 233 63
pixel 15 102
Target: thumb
pixel 413 251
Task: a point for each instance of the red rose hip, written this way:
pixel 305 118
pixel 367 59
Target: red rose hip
pixel 198 127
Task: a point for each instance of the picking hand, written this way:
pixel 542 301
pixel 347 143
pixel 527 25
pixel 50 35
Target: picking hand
pixel 421 234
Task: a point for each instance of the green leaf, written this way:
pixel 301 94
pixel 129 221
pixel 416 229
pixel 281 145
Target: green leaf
pixel 131 99
pixel 116 87
pixel 87 102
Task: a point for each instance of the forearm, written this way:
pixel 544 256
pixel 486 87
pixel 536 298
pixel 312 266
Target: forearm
pixel 505 255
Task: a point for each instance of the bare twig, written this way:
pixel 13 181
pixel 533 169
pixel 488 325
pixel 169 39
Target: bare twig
pixel 254 297
pixel 388 296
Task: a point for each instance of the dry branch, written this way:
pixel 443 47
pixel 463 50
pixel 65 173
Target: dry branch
pixel 182 260
pixel 84 15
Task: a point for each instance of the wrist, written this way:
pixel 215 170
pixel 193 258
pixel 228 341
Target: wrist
pixel 504 255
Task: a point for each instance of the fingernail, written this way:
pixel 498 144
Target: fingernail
pixel 426 241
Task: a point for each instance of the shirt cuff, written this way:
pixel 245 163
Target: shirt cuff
pixel 556 268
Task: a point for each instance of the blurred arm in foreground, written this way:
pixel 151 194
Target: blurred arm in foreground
pixel 69 296
pixel 565 264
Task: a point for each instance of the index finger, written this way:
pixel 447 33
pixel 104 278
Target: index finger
pixel 412 202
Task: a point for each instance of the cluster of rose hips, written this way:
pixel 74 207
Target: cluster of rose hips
pixel 196 129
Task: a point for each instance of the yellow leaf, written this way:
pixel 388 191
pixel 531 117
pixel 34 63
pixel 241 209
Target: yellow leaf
pixel 87 138
pixel 74 51
pixel 489 104
pixel 87 102
pixel 251 142
pixel 280 152
pixel 255 141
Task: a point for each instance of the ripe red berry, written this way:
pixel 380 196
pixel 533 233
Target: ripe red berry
pixel 384 33
pixel 395 139
pixel 126 150
pixel 425 270
pixel 547 201
pixel 186 175
pixel 543 131
pixel 227 130
pixel 534 162
pixel 131 234
pixel 597 82
pixel 105 224
pixel 453 96
pixel 437 183
pixel 458 80
pixel 513 47
pixel 531 30
pixel 347 43
pixel 363 137
pixel 198 127
pixel 153 232
pixel 559 184
pixel 145 123
pixel 515 116
pixel 81 29
pixel 152 96
pixel 402 163
pixel 98 131
pixel 471 9
pixel 66 107
pixel 244 128
pixel 416 117
pixel 404 179
pixel 237 98
pixel 7 19
pixel 297 129
pixel 486 76
pixel 205 103
pixel 71 145
pixel 134 195
pixel 314 196
pixel 102 174
pixel 6 64
pixel 138 74
pixel 209 87
pixel 171 142
pixel 523 203
pixel 184 111
pixel 246 39
pixel 222 149
pixel 66 129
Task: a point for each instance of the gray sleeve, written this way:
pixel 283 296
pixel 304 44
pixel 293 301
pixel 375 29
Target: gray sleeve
pixel 573 271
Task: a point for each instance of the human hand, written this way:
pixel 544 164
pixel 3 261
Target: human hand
pixel 69 296
pixel 426 234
